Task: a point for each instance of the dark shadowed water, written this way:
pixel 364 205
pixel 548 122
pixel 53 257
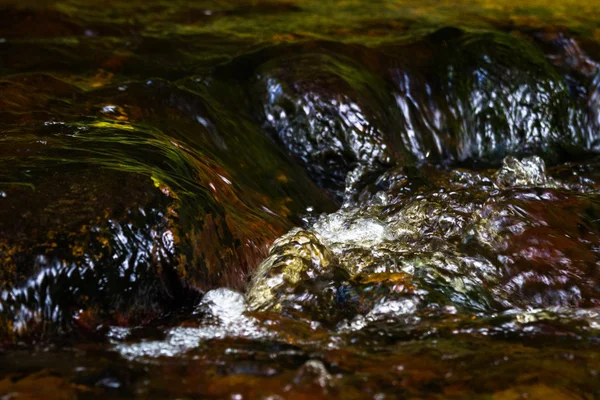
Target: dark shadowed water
pixel 300 199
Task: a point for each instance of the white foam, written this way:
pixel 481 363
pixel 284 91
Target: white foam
pixel 342 229
pixel 225 318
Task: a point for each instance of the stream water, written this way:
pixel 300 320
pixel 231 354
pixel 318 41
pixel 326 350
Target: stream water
pixel 300 199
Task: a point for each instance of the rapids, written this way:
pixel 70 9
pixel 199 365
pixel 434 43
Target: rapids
pixel 285 199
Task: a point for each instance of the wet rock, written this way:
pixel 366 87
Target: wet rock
pixel 300 278
pixel 86 251
pixel 111 221
pixel 133 175
pixel 329 112
pixel 502 106
pixel 581 73
pixel 295 257
pixel 484 96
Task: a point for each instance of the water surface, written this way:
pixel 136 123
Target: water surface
pixel 300 199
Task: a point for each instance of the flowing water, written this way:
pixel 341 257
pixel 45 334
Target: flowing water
pixel 300 199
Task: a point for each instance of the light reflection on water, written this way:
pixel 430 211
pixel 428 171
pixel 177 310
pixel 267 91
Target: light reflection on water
pixel 160 169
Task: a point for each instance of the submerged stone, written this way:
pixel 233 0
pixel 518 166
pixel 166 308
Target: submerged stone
pixel 295 258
